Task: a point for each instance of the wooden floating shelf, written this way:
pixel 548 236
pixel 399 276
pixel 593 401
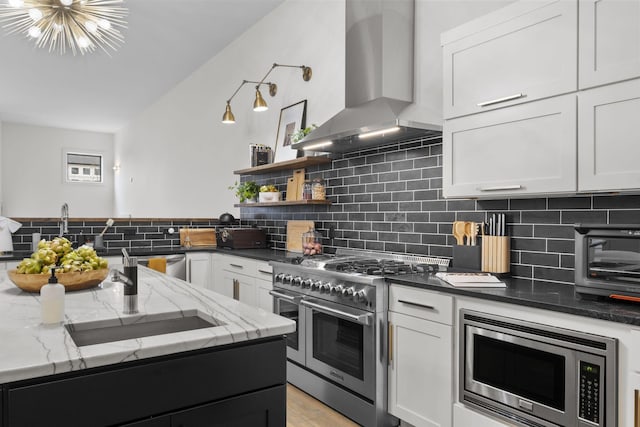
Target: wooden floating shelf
pixel 300 162
pixel 283 203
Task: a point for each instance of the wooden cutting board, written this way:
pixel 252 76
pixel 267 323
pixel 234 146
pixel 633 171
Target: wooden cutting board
pixel 294 234
pixel 199 236
pixel 294 185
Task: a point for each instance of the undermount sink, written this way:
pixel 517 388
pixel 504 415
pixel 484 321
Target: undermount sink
pixel 104 331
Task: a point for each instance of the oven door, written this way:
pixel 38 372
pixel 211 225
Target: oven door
pixel 341 344
pixel 288 305
pixel 530 376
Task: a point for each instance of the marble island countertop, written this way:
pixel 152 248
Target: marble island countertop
pixel 30 349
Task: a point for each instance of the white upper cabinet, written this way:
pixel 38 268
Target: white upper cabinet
pixel 609 41
pixel 525 149
pixel 609 137
pixel 523 52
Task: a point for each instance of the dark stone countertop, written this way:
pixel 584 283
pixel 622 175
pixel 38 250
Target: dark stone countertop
pixel 537 294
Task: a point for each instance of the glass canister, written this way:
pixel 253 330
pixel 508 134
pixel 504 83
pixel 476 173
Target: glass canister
pixel 311 242
pixel 306 191
pixel 318 189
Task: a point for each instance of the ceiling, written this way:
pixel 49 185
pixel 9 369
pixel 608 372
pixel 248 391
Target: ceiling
pixel 166 40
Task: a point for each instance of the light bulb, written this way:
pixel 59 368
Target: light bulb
pixel 57 27
pixel 104 24
pixel 16 3
pixel 66 2
pixel 91 26
pixel 34 32
pixel 35 14
pixel 83 42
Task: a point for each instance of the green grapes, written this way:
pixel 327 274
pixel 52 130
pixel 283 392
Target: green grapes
pixel 59 252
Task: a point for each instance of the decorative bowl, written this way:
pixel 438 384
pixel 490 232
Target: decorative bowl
pixel 269 196
pixel 71 281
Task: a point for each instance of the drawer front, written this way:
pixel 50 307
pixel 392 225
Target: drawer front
pixel 239 265
pixel 506 60
pixel 525 149
pixel 421 303
pixel 264 271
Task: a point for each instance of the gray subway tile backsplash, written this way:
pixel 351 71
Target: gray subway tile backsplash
pixel 390 199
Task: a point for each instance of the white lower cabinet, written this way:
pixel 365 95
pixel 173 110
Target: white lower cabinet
pixel 420 357
pixel 244 279
pixel 522 150
pixel 200 269
pixel 608 136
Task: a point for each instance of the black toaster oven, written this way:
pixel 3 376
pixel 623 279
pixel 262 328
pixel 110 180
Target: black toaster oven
pixel 608 260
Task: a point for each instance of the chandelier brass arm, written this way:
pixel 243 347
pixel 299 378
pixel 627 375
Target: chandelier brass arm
pixel 81 25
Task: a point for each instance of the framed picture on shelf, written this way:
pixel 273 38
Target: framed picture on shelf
pixel 292 118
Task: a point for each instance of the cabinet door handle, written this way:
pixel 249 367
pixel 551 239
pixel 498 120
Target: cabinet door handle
pixel 189 271
pixel 415 304
pixel 390 335
pixel 636 409
pixel 499 100
pixel 236 289
pixel 264 271
pixel 501 187
pixel 236 265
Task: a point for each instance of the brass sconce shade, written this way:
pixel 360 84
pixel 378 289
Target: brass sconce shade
pixel 228 117
pixel 259 104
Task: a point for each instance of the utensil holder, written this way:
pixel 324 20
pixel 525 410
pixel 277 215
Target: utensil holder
pixel 466 257
pixel 495 254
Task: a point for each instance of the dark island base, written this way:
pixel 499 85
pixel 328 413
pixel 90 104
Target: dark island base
pixel 234 385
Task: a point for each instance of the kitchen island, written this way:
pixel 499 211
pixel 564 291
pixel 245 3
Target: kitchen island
pixel 233 371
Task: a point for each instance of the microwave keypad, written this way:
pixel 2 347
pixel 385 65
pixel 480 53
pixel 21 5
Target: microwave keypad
pixel 589 392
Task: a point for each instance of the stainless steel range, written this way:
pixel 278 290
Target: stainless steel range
pixel 338 353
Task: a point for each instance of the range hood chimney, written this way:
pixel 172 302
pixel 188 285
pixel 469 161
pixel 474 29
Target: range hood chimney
pixel 378 81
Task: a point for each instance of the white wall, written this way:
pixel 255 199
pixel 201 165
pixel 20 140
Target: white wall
pixel 177 158
pixel 1 199
pixel 32 172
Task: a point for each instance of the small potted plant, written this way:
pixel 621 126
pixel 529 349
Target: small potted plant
pixel 246 191
pixel 269 193
pixel 299 134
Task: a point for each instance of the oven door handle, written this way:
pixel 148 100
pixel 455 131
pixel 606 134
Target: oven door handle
pixel 294 300
pixel 363 319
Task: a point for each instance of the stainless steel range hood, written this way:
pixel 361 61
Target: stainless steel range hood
pixel 378 82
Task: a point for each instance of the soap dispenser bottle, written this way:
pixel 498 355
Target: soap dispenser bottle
pixel 52 300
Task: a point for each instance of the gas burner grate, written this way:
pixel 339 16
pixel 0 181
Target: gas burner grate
pixel 374 267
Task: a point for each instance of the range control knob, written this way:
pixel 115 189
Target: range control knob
pixel 296 281
pixel 347 292
pixel 279 277
pixel 337 290
pixel 287 279
pixel 360 296
pixel 306 283
pixel 326 288
pixel 315 285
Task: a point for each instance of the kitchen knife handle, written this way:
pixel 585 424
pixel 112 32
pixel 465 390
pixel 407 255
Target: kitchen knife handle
pixel 499 100
pixel 501 188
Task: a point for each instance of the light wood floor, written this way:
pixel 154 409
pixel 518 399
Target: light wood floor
pixel 305 411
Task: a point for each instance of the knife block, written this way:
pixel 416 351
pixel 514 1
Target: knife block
pixel 495 254
pixel 466 257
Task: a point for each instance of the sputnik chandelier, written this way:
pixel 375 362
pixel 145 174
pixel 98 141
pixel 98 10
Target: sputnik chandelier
pixel 80 25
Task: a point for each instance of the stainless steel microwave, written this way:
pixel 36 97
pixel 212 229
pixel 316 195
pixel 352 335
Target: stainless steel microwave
pixel 537 375
pixel 608 260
